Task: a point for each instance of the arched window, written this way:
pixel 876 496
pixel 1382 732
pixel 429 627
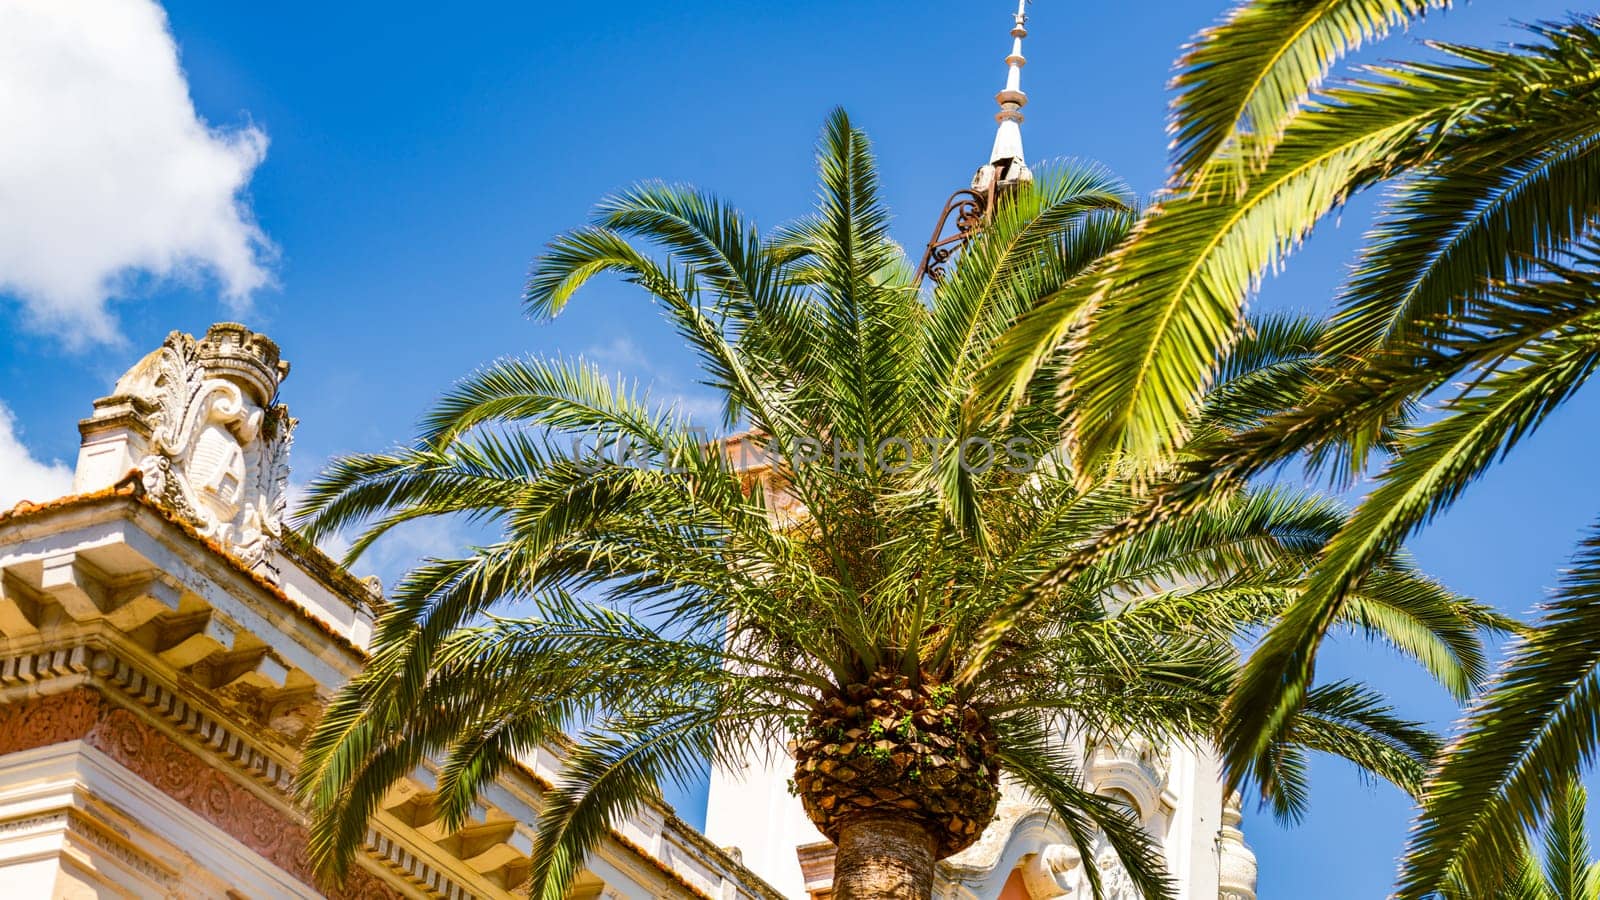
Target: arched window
pixel 1126 799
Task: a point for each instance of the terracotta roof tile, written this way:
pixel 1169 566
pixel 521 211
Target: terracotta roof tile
pixel 132 488
pixel 665 869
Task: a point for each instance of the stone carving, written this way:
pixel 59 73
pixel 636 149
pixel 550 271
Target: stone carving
pixel 1052 873
pixel 1057 872
pixel 1135 772
pixel 53 720
pixel 218 454
pixel 1136 751
pixel 236 809
pixel 93 832
pixel 33 823
pixel 1114 881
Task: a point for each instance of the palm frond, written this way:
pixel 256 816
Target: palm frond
pixel 609 776
pixel 1434 466
pixel 1455 230
pixel 1568 868
pixel 1241 81
pixel 1540 715
pixel 1169 306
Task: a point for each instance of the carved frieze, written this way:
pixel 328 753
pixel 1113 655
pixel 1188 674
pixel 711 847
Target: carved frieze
pixel 49 720
pixel 139 747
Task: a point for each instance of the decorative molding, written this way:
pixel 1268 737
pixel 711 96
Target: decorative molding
pixel 1137 768
pixel 222 801
pixel 46 822
pixel 216 737
pixel 43 665
pixel 83 714
pixel 210 733
pixel 110 844
pixel 54 719
pixel 412 867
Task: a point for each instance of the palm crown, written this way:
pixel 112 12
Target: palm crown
pixel 1477 287
pixel 836 592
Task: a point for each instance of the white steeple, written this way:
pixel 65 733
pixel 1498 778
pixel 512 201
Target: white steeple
pixel 1006 163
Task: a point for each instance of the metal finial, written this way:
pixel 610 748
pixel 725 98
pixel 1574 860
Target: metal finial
pixel 969 208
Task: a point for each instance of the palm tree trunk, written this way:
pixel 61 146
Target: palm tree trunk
pixel 882 858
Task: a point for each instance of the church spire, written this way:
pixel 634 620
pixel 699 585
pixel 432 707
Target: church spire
pixel 968 208
pixel 1008 137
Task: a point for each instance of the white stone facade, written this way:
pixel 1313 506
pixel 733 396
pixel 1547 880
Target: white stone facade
pixel 164 646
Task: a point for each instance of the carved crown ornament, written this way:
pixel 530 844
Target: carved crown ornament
pixel 200 421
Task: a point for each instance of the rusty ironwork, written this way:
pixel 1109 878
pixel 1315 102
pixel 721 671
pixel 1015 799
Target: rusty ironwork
pixel 966 210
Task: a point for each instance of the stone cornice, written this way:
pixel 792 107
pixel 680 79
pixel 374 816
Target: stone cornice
pixel 327 570
pixel 74 688
pixel 128 499
pixel 146 626
pixel 83 714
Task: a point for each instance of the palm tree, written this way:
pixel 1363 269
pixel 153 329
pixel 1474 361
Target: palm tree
pixel 669 603
pixel 1566 872
pixel 1483 270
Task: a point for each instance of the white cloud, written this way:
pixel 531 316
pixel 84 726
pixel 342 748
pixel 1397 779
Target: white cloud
pixel 629 361
pixel 107 173
pixel 21 476
pixel 408 545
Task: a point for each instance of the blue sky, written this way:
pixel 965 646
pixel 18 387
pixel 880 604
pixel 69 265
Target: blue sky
pixel 406 161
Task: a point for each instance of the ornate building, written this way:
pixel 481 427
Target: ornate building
pixel 1175 790
pixel 164 644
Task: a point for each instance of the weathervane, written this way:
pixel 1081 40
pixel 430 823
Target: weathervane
pixel 968 208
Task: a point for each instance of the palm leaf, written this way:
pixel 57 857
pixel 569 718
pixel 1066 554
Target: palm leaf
pixel 1433 467
pixel 1540 715
pixel 1567 866
pixel 1169 307
pixel 1243 79
pixel 1455 230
